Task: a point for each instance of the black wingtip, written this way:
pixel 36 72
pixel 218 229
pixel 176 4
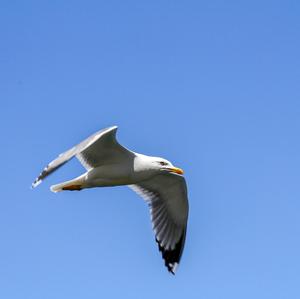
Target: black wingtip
pixel 172 256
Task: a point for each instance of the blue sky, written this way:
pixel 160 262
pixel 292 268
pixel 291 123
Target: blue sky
pixel 212 86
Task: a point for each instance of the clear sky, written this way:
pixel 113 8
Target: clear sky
pixel 212 86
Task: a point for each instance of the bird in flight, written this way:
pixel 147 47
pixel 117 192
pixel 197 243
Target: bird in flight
pixel 155 179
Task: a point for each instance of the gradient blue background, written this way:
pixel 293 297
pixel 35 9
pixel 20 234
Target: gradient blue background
pixel 212 86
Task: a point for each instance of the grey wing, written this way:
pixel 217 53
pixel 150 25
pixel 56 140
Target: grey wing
pixel 103 149
pixel 166 195
pixel 98 149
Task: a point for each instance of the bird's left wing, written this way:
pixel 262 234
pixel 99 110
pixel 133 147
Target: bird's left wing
pixel 166 195
pixel 98 149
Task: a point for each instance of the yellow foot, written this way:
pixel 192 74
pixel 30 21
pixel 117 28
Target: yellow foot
pixel 72 188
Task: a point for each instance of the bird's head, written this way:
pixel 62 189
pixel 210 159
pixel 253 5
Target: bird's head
pixel 165 165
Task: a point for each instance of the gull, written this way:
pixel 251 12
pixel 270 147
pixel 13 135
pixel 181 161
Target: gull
pixel 155 179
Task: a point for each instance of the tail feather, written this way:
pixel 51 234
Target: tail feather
pixel 75 184
pixel 58 187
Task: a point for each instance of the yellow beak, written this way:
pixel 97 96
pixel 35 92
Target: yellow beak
pixel 176 170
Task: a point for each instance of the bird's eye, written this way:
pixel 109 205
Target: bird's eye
pixel 162 163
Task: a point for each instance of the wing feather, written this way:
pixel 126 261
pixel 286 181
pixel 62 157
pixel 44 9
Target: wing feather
pixel 166 195
pixel 98 149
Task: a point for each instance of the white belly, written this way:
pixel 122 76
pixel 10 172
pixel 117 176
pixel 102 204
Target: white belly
pixel 110 175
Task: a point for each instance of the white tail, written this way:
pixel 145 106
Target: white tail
pixel 75 184
pixel 58 187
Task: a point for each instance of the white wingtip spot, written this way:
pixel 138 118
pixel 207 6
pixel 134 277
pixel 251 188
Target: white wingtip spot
pixel 35 184
pixel 174 267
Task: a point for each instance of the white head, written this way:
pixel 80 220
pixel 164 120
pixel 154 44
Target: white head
pixel 160 164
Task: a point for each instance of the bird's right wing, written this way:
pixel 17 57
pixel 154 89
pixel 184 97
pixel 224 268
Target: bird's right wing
pixel 166 195
pixel 99 149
